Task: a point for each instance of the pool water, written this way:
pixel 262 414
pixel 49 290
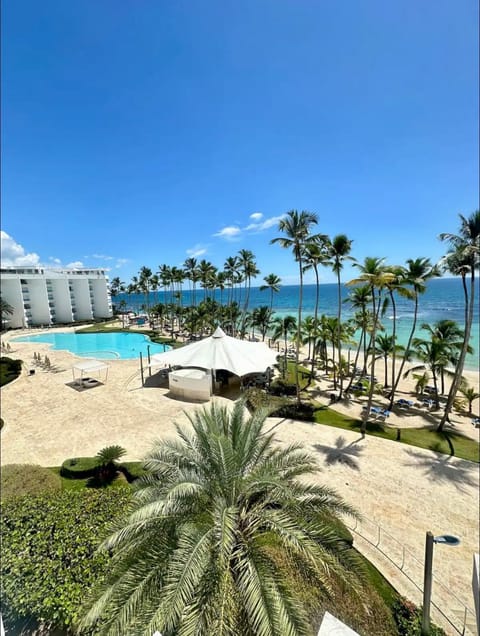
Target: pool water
pixel 104 346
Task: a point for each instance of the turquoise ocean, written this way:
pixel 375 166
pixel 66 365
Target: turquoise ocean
pixel 442 300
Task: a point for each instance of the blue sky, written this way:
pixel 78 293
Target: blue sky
pixel 134 133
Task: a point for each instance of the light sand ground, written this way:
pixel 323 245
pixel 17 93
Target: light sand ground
pixel 404 489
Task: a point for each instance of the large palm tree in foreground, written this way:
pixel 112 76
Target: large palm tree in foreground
pixel 215 533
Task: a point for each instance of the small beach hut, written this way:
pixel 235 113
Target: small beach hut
pixel 219 352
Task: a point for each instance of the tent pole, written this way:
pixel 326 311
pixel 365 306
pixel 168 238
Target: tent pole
pixel 141 369
pixel 149 361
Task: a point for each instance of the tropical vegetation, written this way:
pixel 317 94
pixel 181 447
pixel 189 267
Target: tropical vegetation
pixel 220 535
pixel 225 301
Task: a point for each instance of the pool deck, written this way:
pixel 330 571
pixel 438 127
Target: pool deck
pixel 406 490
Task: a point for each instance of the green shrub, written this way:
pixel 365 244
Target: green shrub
pixel 305 411
pixel 9 370
pixel 24 479
pixel 49 560
pixel 408 618
pixel 79 467
pixel 282 387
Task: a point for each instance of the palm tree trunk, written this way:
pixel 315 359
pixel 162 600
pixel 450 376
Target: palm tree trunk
pixel 407 351
pixel 357 355
pixel 394 340
pixel 299 326
pixel 372 367
pixel 469 306
pixel 339 336
pixel 315 317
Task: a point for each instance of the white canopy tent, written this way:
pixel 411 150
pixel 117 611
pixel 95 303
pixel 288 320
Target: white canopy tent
pixel 89 366
pixel 220 351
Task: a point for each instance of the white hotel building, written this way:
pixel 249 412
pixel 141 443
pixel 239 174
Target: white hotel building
pixel 42 296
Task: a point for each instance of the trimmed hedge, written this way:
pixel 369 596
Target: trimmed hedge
pixel 49 560
pixel 87 468
pixel 79 467
pixel 26 479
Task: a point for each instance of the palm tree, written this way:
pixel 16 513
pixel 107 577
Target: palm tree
pixel 272 282
pixel 385 347
pixel 338 250
pixel 375 275
pixel 463 260
pixel 247 263
pixel 144 277
pixel 206 272
pixel 190 266
pixel 216 531
pixel 107 462
pixel 433 355
pixel 116 286
pixel 296 227
pixel 451 335
pixel 5 310
pixel 396 286
pixel 283 327
pixel 416 275
pixel 309 335
pixel 315 255
pixel 470 394
pixel 262 318
pixel 359 298
pixel 154 285
pixel 165 274
pixel 231 268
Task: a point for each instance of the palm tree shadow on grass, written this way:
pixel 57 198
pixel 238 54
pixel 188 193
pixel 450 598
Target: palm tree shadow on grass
pixel 342 453
pixel 444 468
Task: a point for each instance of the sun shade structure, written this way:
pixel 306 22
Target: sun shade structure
pixel 89 366
pixel 220 351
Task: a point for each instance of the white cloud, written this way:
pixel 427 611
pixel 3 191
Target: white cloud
pixel 264 225
pixel 256 216
pixel 197 250
pixel 102 257
pixel 13 254
pixel 230 233
pixel 121 262
pixel 75 265
pixel 55 261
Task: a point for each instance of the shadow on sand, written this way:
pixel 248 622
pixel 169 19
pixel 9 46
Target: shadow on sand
pixel 444 468
pixel 342 453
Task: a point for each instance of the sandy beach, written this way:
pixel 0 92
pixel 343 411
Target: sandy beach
pixel 403 489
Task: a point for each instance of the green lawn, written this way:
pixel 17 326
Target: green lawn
pixel 450 443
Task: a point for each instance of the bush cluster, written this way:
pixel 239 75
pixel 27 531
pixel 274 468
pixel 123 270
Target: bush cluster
pixel 49 560
pixel 9 370
pixel 408 618
pixel 282 387
pixel 25 479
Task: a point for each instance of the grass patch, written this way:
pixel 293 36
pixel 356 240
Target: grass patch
pixel 449 443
